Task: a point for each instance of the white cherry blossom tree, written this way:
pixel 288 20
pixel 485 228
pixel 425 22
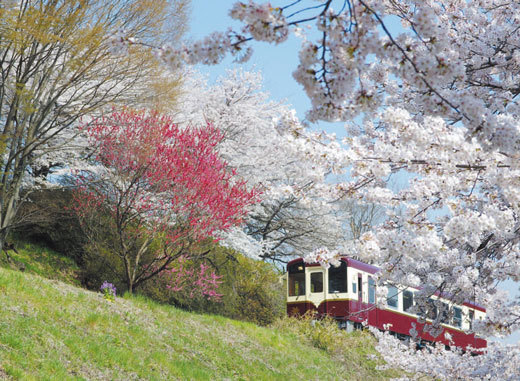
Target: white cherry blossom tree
pixel 267 145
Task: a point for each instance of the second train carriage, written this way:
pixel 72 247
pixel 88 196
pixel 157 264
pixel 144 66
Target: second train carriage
pixel 348 294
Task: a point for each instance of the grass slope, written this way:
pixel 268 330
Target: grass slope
pixel 57 331
pixel 40 260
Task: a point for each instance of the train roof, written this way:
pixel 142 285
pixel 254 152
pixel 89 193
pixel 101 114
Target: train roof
pixel 350 263
pixel 354 263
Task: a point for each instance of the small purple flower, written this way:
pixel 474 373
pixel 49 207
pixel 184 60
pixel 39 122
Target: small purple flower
pixel 108 290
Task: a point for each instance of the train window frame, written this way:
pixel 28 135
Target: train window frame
pixel 338 276
pixel 354 284
pixel 296 280
pixel 408 300
pixel 457 317
pixel 313 282
pixel 390 300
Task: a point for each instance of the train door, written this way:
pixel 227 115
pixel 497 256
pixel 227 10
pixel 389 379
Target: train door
pixel 316 289
pixel 372 312
pixel 360 288
pixel 363 313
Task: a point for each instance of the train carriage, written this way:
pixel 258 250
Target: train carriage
pixel 348 294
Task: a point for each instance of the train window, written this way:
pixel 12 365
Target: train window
pixel 354 285
pixel 471 317
pixel 317 282
pixel 392 296
pixel 432 309
pixel 338 278
pixel 444 311
pixel 371 290
pixel 457 317
pixel 429 310
pixel 407 300
pixel 296 279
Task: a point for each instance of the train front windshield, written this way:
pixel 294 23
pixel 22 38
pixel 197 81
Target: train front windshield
pixel 296 279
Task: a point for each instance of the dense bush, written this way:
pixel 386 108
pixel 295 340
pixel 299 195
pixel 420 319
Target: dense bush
pixel 45 218
pixel 251 290
pixel 101 264
pixel 323 333
pixel 357 349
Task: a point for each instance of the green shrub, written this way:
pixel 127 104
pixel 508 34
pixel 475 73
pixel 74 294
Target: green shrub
pixel 357 349
pixel 251 290
pixel 100 264
pixel 323 333
pixel 46 219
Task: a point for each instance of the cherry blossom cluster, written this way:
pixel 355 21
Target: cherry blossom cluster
pixel 438 62
pixel 497 362
pixel 324 257
pixel 448 214
pixel 263 22
pixel 210 51
pixel 119 41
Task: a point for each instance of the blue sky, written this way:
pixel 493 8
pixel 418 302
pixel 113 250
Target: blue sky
pixel 276 63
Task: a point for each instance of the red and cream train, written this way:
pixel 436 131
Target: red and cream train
pixel 347 293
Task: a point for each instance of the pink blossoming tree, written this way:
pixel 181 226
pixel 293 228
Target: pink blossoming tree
pixel 201 282
pixel 158 189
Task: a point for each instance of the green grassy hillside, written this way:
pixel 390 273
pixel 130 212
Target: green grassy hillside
pixel 55 330
pixel 40 260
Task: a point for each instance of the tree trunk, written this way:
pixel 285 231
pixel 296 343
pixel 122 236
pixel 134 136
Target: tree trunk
pixel 129 277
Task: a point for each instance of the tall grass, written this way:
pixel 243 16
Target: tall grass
pixel 53 330
pixel 40 260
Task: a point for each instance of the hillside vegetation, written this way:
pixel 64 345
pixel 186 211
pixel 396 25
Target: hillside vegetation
pixel 40 260
pixel 54 330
